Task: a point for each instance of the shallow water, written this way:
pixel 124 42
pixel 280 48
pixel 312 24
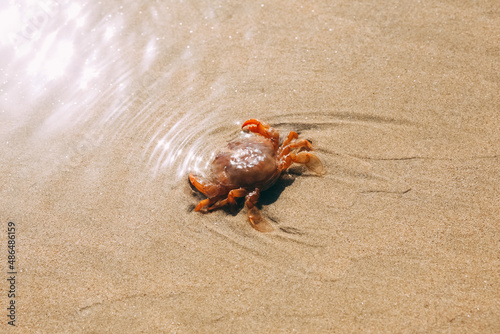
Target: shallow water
pixel 106 107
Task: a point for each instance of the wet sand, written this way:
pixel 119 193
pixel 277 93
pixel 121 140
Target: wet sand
pixel 105 110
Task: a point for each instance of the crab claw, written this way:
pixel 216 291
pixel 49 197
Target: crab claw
pixel 255 122
pixel 204 186
pixel 263 129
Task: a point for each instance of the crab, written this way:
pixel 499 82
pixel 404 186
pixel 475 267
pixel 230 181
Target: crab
pixel 250 164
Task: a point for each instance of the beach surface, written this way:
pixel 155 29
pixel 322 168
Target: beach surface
pixel 106 107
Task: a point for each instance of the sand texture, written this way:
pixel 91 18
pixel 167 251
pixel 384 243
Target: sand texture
pixel 107 106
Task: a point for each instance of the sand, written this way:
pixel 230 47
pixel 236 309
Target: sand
pixel 106 107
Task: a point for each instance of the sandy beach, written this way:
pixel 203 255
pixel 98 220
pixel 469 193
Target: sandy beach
pixel 106 107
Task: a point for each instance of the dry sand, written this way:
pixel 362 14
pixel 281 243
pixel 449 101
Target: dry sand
pixel 105 107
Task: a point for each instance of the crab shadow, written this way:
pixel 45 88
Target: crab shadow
pixel 268 196
pixel 271 195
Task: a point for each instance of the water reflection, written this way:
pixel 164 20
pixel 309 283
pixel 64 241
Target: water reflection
pixel 94 73
pixel 147 80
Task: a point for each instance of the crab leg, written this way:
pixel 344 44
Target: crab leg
pixel 256 220
pixel 291 136
pixel 231 198
pixel 302 143
pixel 311 161
pixel 285 150
pixel 206 203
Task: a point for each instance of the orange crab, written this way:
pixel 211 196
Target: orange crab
pixel 250 164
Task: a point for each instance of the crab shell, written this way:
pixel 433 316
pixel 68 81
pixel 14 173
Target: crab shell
pixel 247 162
